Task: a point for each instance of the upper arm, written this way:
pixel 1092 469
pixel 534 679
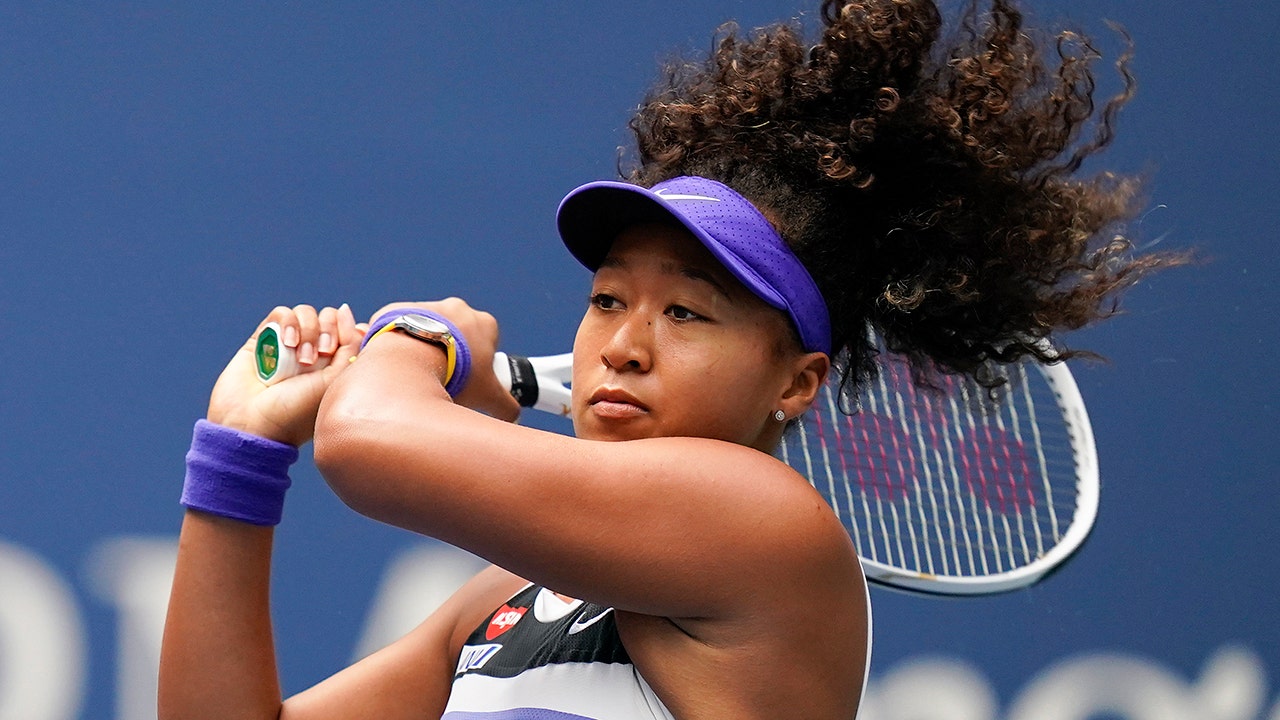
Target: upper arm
pixel 410 678
pixel 676 527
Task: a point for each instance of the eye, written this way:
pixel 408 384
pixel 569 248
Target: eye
pixel 683 314
pixel 604 301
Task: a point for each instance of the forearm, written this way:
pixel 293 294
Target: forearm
pixel 217 658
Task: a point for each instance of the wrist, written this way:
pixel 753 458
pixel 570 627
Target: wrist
pixel 249 423
pixel 237 475
pixel 433 329
pixel 408 358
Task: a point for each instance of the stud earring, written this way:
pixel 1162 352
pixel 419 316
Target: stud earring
pixel 779 416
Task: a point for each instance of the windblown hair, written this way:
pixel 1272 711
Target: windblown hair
pixel 929 186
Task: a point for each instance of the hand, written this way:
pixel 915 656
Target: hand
pixel 482 392
pixel 325 342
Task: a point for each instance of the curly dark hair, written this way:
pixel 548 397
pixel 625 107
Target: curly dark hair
pixel 929 186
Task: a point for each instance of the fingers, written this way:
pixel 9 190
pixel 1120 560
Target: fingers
pixel 327 342
pixel 308 334
pixel 396 306
pixel 350 334
pixel 285 318
pixel 507 409
pixel 317 335
pixel 311 336
pixel 328 339
pixel 347 332
pixel 488 325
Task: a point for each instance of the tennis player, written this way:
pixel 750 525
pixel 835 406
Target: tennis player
pixel 787 196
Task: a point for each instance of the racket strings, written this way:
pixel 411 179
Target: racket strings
pixel 943 482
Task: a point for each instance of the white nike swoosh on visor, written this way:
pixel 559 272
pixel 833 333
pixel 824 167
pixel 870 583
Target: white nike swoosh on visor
pixel 578 626
pixel 663 194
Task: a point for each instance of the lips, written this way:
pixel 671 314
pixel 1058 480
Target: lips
pixel 612 402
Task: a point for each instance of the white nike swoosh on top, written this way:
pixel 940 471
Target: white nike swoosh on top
pixel 549 607
pixel 674 196
pixel 578 625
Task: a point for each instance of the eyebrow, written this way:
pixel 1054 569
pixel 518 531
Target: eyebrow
pixel 670 268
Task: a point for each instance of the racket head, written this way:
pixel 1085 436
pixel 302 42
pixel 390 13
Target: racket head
pixel 953 489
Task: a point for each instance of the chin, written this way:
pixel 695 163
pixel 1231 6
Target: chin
pixel 594 429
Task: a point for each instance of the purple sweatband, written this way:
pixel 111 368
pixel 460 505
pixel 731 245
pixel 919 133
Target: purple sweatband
pixel 462 354
pixel 237 475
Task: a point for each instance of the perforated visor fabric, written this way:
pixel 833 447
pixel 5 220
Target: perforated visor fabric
pixel 733 229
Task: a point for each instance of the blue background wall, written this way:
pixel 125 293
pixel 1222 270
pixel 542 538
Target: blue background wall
pixel 167 174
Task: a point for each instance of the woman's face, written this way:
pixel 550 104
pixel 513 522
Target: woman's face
pixel 673 345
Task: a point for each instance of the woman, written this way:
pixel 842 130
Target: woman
pixel 662 563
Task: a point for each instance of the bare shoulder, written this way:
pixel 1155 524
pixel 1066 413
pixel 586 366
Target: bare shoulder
pixel 785 520
pixel 792 630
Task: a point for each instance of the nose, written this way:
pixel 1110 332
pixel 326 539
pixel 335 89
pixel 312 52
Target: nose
pixel 630 347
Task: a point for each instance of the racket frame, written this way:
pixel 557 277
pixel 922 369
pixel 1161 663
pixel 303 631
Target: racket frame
pixel 1083 450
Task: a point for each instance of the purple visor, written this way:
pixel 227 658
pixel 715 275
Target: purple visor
pixel 592 216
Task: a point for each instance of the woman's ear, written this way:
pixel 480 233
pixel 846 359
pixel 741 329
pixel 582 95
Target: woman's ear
pixel 809 372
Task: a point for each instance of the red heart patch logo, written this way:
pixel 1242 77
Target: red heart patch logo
pixel 503 620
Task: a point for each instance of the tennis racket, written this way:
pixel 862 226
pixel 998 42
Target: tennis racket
pixel 944 490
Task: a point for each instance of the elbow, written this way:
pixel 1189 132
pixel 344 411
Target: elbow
pixel 346 448
pixel 361 443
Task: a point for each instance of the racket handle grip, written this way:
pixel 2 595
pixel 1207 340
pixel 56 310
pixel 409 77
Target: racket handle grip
pixel 537 382
pixel 271 358
pixel 274 361
pixel 516 373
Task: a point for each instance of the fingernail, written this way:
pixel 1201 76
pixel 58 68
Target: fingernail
pixel 326 343
pixel 291 336
pixel 307 354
